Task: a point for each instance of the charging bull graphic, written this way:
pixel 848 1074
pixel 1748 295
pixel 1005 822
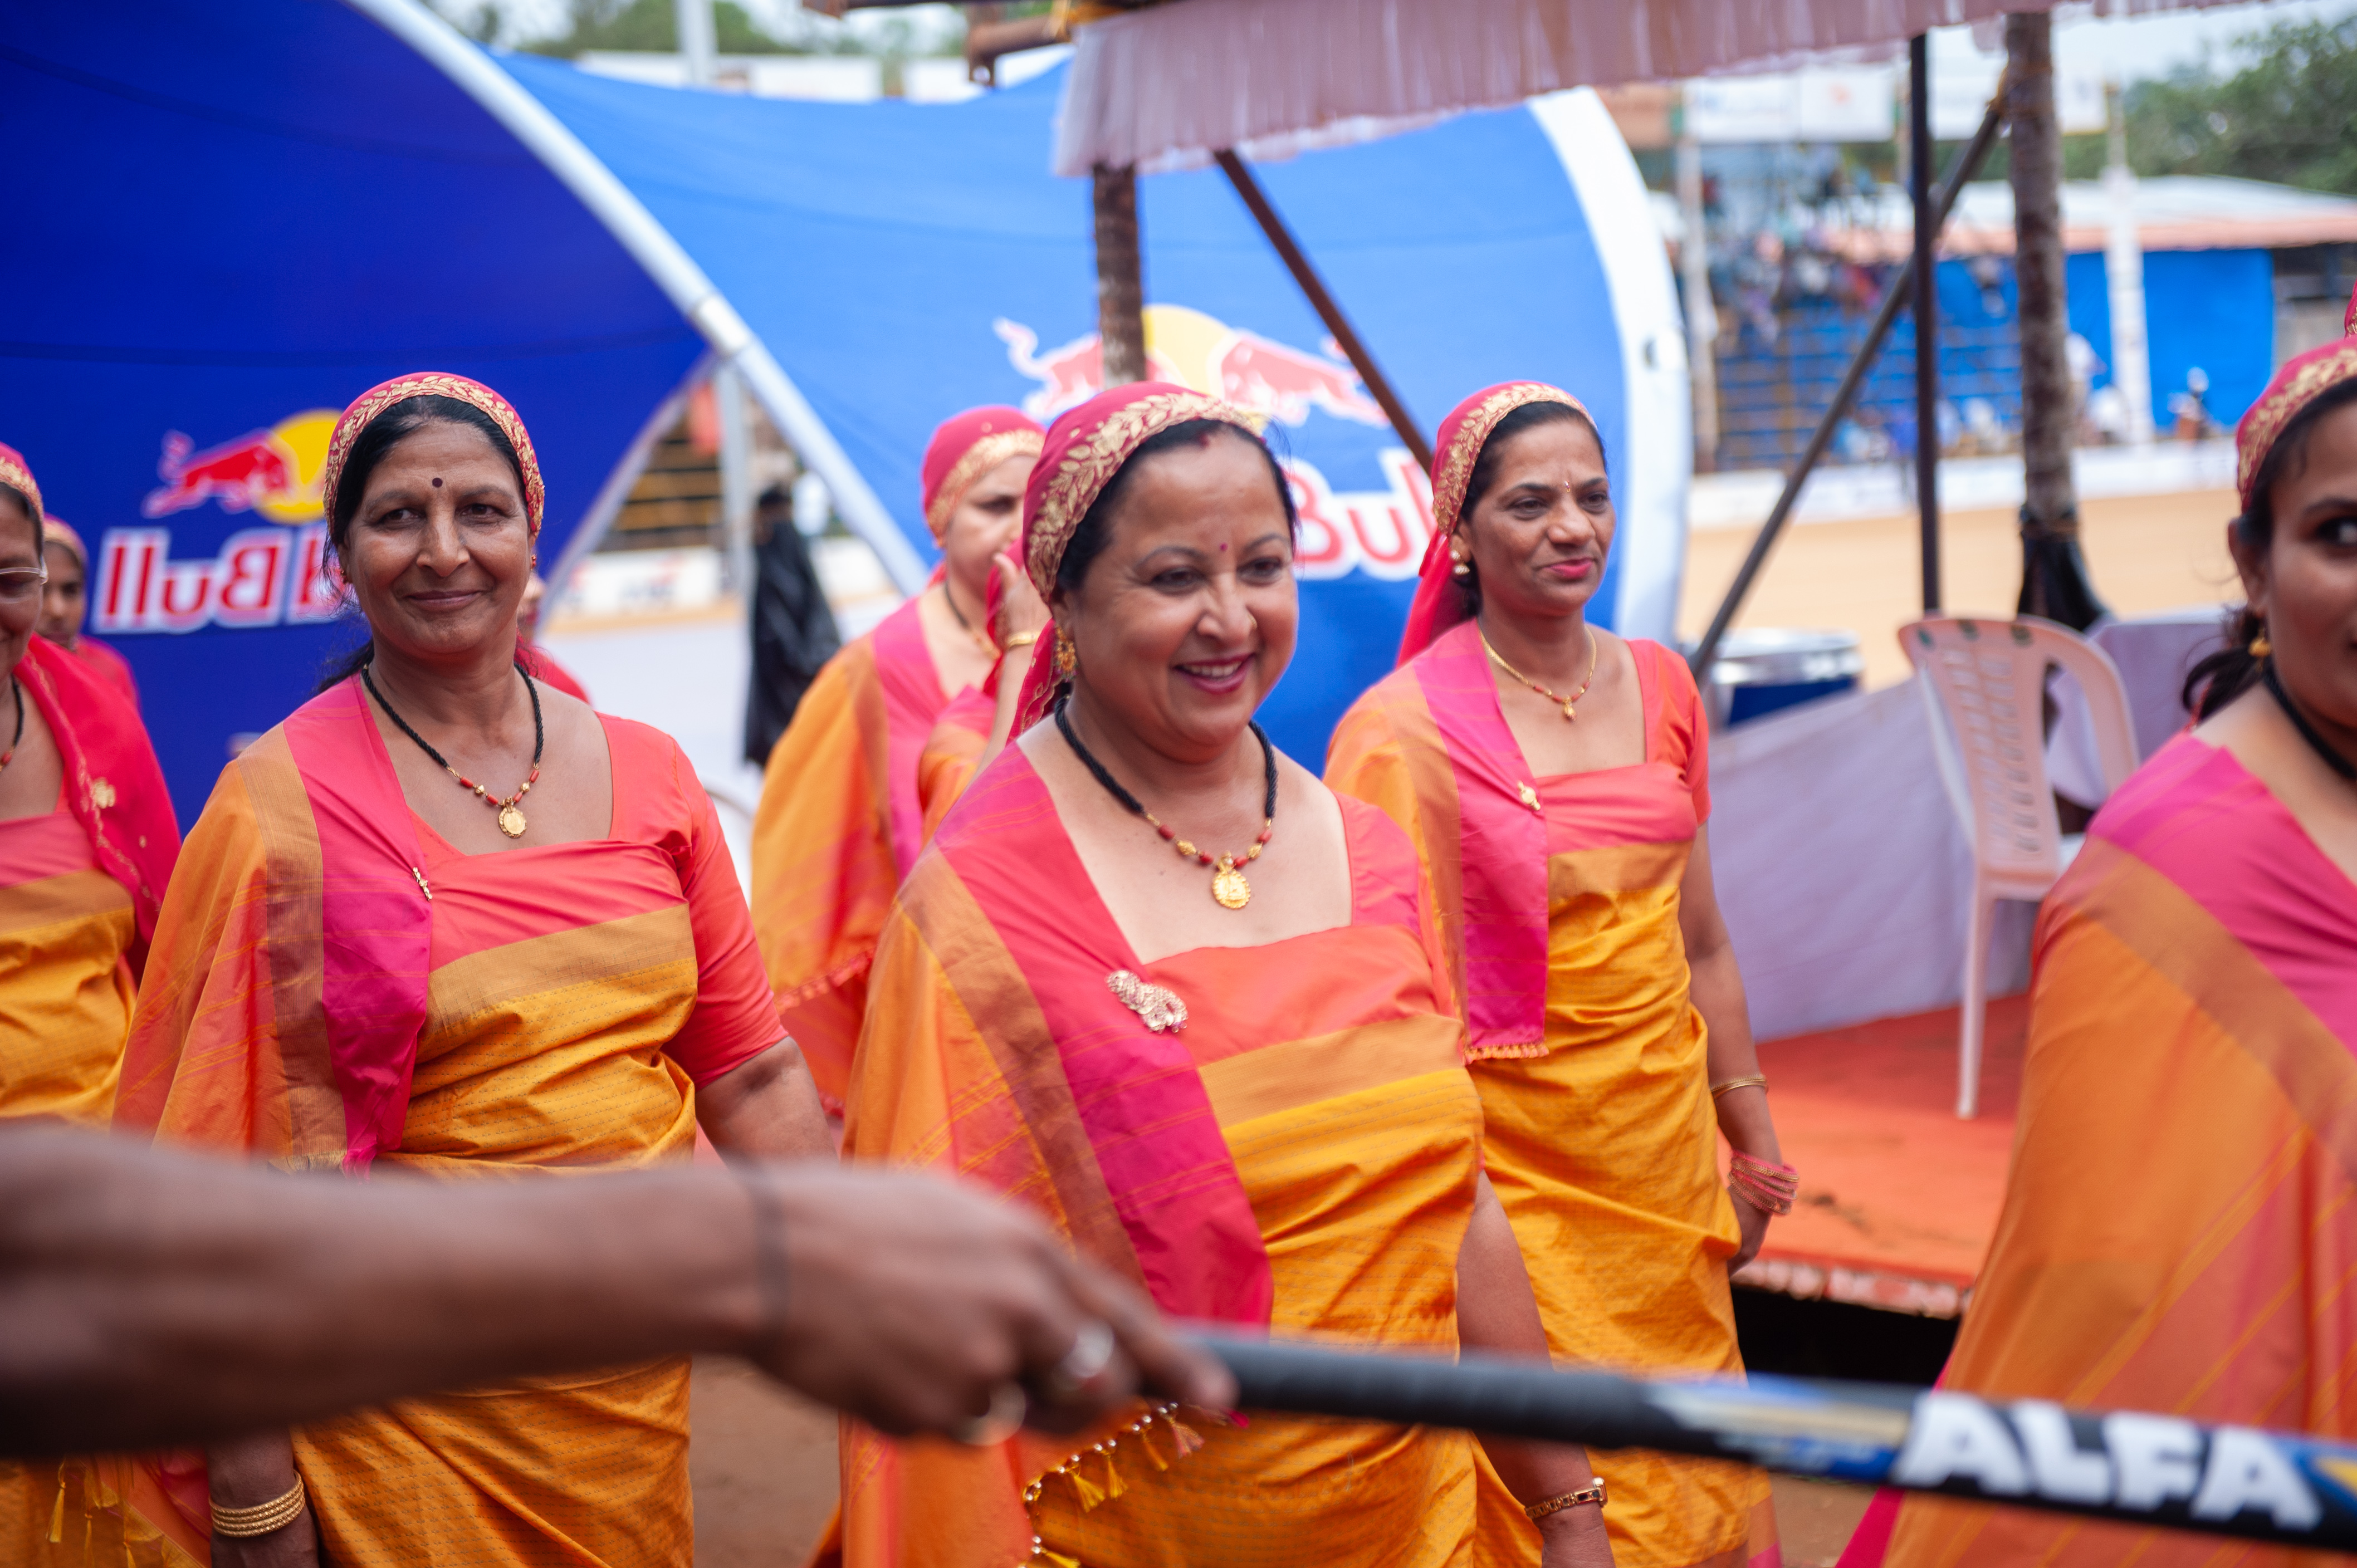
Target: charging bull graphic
pixel 275 575
pixel 273 471
pixel 1201 351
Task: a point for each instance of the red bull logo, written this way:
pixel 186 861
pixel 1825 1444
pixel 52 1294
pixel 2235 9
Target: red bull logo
pixel 1379 532
pixel 273 471
pixel 1196 350
pixel 259 576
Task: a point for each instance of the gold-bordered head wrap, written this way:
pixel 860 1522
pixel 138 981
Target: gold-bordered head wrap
pixel 431 384
pixel 1466 430
pixel 2299 383
pixel 967 447
pixel 17 473
pixel 1087 446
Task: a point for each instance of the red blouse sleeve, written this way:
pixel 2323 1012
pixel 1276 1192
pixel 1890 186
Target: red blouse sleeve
pixel 1684 733
pixel 736 1016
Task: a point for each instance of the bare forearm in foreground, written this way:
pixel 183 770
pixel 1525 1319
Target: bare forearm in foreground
pixel 147 1298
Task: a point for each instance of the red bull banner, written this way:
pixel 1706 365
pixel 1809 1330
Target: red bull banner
pixel 905 261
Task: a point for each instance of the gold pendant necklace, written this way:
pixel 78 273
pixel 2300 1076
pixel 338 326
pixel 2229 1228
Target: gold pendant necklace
pixel 1556 697
pixel 511 810
pixel 1229 885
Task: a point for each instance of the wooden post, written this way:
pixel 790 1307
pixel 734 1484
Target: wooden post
pixel 1926 316
pixel 2037 140
pixel 2053 578
pixel 1121 278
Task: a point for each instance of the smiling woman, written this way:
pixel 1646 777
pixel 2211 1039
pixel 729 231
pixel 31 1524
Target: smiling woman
pixel 1155 980
pixel 461 986
pixel 1555 778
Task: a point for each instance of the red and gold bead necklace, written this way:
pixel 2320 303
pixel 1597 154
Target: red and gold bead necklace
pixel 1228 883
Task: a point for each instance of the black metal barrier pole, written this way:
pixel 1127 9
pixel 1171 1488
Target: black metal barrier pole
pixel 1894 299
pixel 2159 1471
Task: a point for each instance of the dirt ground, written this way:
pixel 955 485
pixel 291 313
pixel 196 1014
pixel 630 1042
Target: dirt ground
pixel 763 1465
pixel 2145 553
pixel 763 1462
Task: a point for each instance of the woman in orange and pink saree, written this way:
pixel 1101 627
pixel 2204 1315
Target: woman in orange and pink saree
pixel 1229 1073
pixel 2177 1233
pixel 87 841
pixel 1553 778
pixel 840 820
pixel 368 960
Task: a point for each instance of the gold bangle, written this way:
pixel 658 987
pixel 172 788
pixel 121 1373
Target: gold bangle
pixel 1727 1084
pixel 1591 1493
pixel 1021 639
pixel 244 1524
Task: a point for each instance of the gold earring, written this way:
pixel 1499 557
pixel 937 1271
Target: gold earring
pixel 1068 658
pixel 2260 646
pixel 1461 569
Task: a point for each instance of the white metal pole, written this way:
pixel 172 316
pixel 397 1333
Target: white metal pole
pixel 2124 275
pixel 736 479
pixel 1702 313
pixel 667 262
pixel 697 43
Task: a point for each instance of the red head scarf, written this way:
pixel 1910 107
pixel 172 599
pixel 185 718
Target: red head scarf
pixel 967 447
pixel 14 470
pixel 1086 448
pixel 1437 605
pixel 431 384
pixel 2300 383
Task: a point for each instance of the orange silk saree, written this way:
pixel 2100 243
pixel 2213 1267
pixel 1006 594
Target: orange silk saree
pixel 953 751
pixel 1558 899
pixel 2180 1229
pixel 333 987
pixel 839 824
pixel 1300 1154
pixel 79 887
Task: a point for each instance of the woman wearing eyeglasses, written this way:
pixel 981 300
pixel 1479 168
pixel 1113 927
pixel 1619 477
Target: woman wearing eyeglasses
pixel 86 846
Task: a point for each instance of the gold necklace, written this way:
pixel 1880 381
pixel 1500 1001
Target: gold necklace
pixel 1229 885
pixel 1556 697
pixel 965 625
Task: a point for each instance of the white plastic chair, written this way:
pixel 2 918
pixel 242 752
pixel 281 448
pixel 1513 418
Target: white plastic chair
pixel 1985 681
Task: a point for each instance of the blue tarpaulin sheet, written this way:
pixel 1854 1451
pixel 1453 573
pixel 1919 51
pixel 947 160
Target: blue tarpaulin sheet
pixel 906 261
pixel 230 220
pixel 226 221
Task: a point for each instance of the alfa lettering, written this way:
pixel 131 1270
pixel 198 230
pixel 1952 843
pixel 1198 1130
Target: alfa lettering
pixel 2246 1470
pixel 1955 1437
pixel 2156 1457
pixel 2063 1470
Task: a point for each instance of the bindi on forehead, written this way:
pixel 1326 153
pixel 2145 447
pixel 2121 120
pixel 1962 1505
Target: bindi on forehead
pixel 438 481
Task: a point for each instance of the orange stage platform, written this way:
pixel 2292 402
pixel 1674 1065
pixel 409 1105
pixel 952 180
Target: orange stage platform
pixel 1898 1198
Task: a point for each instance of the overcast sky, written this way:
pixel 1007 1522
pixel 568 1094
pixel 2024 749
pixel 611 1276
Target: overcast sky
pixel 2137 46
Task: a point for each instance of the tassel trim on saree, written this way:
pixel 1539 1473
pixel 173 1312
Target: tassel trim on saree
pixel 1473 1053
pixel 108 1519
pixel 1096 1478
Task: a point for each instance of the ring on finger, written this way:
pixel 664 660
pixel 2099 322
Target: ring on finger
pixel 1003 1419
pixel 1091 1353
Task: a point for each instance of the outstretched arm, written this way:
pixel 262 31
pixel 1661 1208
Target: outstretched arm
pixel 149 1298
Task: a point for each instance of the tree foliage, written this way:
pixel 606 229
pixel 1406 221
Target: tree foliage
pixel 2287 116
pixel 651 25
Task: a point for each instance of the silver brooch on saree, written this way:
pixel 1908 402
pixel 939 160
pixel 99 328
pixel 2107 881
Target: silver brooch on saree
pixel 1156 1006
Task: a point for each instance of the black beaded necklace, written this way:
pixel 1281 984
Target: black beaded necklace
pixel 511 810
pixel 1228 883
pixel 17 692
pixel 2323 747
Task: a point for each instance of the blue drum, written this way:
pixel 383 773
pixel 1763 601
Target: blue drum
pixel 1765 671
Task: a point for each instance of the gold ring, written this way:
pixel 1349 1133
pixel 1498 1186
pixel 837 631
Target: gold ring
pixel 1003 1419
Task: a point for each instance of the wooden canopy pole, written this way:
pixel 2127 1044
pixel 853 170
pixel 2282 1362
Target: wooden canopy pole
pixel 1927 315
pixel 1121 276
pixel 2053 575
pixel 1314 289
